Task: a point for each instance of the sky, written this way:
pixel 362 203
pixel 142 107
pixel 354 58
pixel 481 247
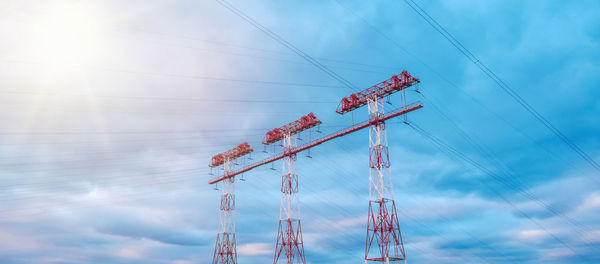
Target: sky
pixel 111 111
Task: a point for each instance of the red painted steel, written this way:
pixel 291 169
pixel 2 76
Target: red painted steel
pixel 289 248
pixel 289 242
pixel 320 141
pixel 295 127
pixel 225 250
pixel 380 90
pixel 234 153
pixel 384 239
pixel 383 230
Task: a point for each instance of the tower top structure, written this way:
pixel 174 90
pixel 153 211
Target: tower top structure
pixel 234 153
pixel 397 83
pixel 295 127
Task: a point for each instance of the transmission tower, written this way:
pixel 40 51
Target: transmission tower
pixel 289 234
pixel 225 247
pixel 383 228
pixel 382 225
pixel 384 239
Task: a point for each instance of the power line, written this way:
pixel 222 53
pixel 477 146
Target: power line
pixel 206 100
pixel 478 147
pixel 171 75
pixel 221 43
pixel 448 150
pixel 439 75
pixel 181 178
pixel 512 181
pixel 501 83
pixel 287 44
pixel 133 132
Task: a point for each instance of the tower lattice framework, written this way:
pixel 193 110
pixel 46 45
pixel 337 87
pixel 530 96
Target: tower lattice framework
pixel 289 248
pixel 225 247
pixel 384 240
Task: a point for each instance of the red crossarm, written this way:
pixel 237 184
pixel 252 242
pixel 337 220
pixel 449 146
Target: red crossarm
pixel 295 127
pixel 397 83
pixel 343 132
pixel 234 153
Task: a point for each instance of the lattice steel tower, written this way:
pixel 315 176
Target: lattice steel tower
pixel 225 247
pixel 384 240
pixel 289 234
pixel 289 247
pixel 382 226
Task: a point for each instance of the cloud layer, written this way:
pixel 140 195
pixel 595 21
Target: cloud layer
pixel 104 157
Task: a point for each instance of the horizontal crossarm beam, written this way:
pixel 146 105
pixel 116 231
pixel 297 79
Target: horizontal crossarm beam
pixel 343 132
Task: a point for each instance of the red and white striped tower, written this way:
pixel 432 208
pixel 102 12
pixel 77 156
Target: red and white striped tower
pixel 225 247
pixel 384 240
pixel 383 229
pixel 289 246
pixel 289 234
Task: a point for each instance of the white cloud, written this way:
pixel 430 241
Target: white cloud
pixel 339 224
pixel 181 261
pixel 591 202
pixel 16 242
pixel 532 234
pixel 556 254
pixel 255 249
pixel 131 253
pixel 591 237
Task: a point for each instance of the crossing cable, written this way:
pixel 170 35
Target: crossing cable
pixel 315 215
pixel 43 209
pixel 112 181
pixel 290 46
pixel 260 27
pixel 148 174
pixel 508 123
pixel 438 74
pixel 158 110
pixel 334 168
pixel 331 165
pixel 501 83
pixel 512 181
pixel 170 75
pixel 221 43
pixel 526 194
pixel 96 164
pixel 126 177
pixel 136 132
pixel 439 234
pixel 448 150
pixel 492 158
pixel 99 142
pixel 39 186
pixel 91 156
pixel 433 210
pixel 267 58
pixel 190 99
pixel 440 216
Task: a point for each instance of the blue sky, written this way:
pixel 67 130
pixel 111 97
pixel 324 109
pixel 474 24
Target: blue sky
pixel 111 111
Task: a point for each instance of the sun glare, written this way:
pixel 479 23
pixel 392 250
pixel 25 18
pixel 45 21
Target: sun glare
pixel 68 34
